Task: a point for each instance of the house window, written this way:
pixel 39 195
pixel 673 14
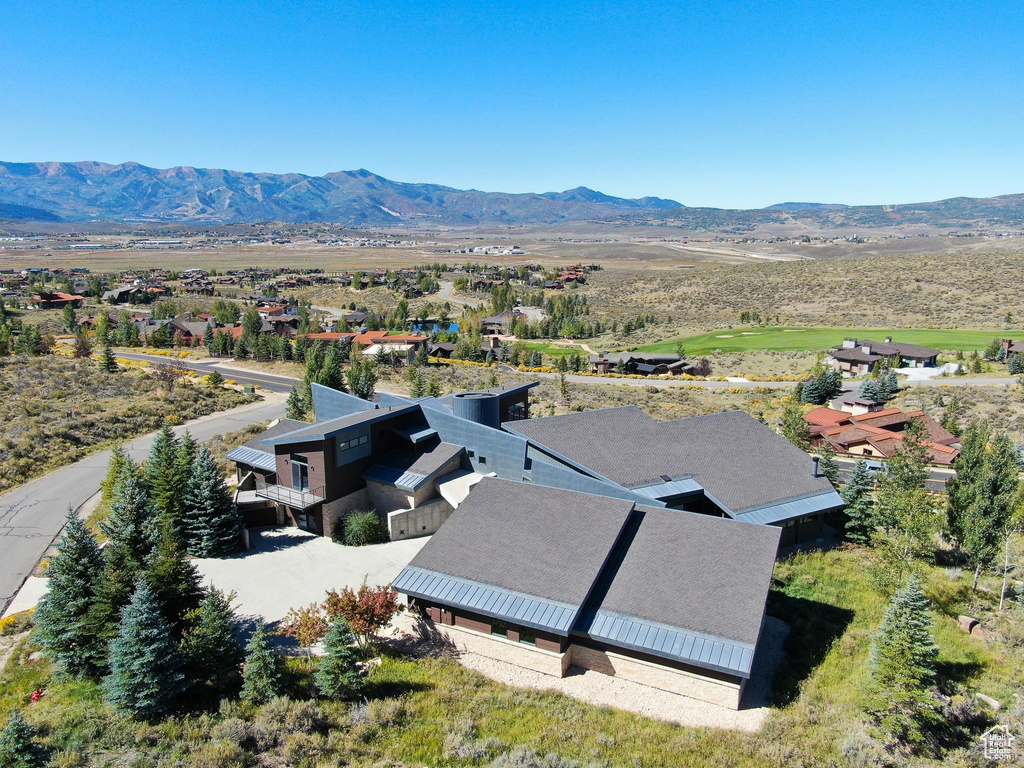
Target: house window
pixel 482 459
pixel 471 454
pixel 527 636
pixel 499 628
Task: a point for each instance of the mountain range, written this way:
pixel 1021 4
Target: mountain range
pixel 131 192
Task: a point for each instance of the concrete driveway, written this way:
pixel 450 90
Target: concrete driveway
pixel 288 568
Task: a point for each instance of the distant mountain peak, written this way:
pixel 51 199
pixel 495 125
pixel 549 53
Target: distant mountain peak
pixel 806 207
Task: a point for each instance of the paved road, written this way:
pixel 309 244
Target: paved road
pixel 269 381
pixel 32 515
pixel 937 477
pixel 445 294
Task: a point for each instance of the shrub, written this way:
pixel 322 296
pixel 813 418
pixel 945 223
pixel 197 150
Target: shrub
pixel 362 528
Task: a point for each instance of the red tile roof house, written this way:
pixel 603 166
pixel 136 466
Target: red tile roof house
pixel 45 300
pixel 879 434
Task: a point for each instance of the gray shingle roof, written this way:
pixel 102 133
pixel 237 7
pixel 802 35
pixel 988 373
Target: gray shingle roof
pixel 704 574
pixel 537 541
pixel 738 461
pixel 282 427
pixel 409 470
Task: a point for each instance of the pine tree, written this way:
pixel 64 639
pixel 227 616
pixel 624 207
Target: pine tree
pixel 60 618
pixel 108 363
pixel 869 391
pixel 338 675
pixel 811 392
pixel 130 538
pixel 261 673
pixel 145 666
pixel 1016 364
pixel 295 407
pixel 159 475
pixel 902 665
pixel 212 526
pixel 119 466
pixel 827 462
pixel 434 386
pixel 857 496
pixel 795 427
pixel 173 578
pixel 416 385
pixel 18 745
pixel 210 646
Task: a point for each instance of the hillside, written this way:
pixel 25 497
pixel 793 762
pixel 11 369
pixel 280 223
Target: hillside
pixel 132 192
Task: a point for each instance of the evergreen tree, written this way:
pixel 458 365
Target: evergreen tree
pixel 362 378
pixel 183 458
pixel 212 526
pixel 130 538
pixel 434 386
pixel 18 745
pixel 108 363
pixel 338 675
pixel 119 466
pixel 857 496
pixel 210 646
pixel 416 385
pixel 295 407
pixel 1016 364
pixel 160 477
pixel 869 391
pixel 261 673
pixel 145 666
pixel 83 347
pixel 902 665
pixel 827 462
pixel 811 392
pixel 60 618
pixel 173 578
pixel 795 427
pixel 422 356
pixel 962 489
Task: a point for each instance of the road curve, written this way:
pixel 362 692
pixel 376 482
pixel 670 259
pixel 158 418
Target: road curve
pixel 32 515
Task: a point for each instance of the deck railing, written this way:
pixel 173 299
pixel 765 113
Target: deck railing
pixel 290 497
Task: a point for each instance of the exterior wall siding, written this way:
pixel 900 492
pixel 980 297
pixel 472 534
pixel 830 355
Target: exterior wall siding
pixel 424 520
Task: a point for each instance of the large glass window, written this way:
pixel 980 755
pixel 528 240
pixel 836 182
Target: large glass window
pixel 527 635
pixel 300 472
pixel 499 628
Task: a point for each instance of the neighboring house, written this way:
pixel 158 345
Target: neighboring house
pixel 879 434
pixel 643 363
pixel 545 578
pixel 859 356
pixel 124 294
pixel 57 300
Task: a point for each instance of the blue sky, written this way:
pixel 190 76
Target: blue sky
pixel 733 104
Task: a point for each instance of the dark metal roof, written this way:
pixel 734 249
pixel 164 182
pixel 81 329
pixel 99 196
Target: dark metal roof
pixel 738 461
pixel 486 600
pixel 410 471
pixel 324 429
pixel 253 457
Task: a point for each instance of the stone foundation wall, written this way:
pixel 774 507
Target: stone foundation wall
pixel 334 510
pixel 720 692
pixel 387 498
pixel 528 657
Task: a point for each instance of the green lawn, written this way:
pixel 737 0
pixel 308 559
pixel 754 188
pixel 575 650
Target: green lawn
pixel 750 339
pixel 551 349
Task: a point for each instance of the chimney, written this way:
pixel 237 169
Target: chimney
pixel 849 343
pixel 816 459
pixel 866 348
pixel 888 339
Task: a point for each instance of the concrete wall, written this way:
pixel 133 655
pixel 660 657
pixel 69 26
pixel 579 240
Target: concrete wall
pixel 720 692
pixel 424 520
pixel 387 498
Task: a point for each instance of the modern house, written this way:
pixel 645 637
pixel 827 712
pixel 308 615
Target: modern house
pixel 879 434
pixel 545 578
pixel 643 363
pixel 411 459
pixel 859 356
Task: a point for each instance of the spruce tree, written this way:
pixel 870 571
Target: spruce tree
pixel 1016 364
pixel 18 745
pixel 60 618
pixel 295 407
pixel 261 673
pixel 160 477
pixel 130 538
pixel 902 666
pixel 108 363
pixel 434 386
pixel 857 496
pixel 183 459
pixel 337 674
pixel 119 466
pixel 210 646
pixel 827 462
pixel 145 666
pixel 212 526
pixel 869 391
pixel 795 427
pixel 416 385
pixel 173 578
